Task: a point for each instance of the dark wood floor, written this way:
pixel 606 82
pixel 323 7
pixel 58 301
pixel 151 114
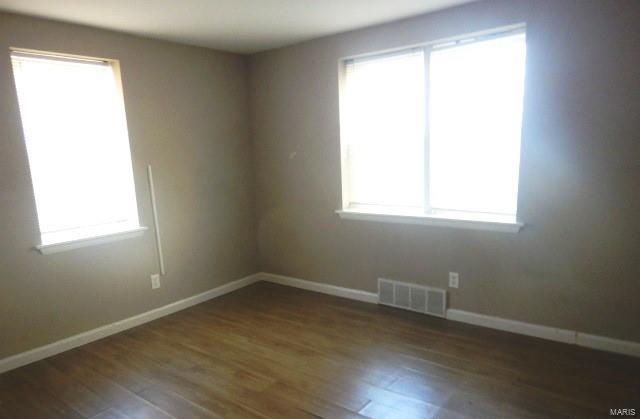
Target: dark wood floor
pixel 277 352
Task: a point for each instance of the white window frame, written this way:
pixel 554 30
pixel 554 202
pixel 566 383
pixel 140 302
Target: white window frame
pixel 430 216
pixel 96 238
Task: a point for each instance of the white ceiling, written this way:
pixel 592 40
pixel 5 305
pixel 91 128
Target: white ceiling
pixel 243 26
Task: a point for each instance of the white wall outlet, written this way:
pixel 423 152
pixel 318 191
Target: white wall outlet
pixel 155 281
pixel 454 279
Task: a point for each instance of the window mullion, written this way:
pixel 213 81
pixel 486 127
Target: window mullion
pixel 427 193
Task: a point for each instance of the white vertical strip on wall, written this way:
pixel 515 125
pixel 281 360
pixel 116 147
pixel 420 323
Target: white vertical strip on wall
pixel 156 224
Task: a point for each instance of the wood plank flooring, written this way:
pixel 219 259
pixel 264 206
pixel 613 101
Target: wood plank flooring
pixel 268 351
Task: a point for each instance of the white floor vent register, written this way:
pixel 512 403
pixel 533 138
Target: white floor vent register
pixel 412 297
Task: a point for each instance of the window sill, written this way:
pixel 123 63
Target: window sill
pixel 471 222
pixel 47 249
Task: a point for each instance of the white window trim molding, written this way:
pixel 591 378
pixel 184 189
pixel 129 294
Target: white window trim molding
pixel 47 249
pixel 432 220
pixel 430 217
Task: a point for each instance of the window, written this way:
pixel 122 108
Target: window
pixel 75 130
pixel 434 132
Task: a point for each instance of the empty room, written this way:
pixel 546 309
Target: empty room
pixel 319 209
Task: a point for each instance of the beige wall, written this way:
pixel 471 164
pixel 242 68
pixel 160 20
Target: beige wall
pixel 576 264
pixel 187 114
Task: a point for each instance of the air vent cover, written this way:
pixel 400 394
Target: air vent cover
pixel 412 297
pixel 385 293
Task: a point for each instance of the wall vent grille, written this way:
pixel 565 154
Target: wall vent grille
pixel 412 297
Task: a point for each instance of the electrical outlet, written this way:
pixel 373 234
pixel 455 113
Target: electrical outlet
pixel 454 279
pixel 155 281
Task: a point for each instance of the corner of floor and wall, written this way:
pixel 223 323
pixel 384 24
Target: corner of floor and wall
pixel 246 158
pixel 572 273
pixel 187 117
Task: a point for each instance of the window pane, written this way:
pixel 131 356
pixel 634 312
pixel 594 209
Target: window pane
pixel 476 95
pixel 75 131
pixel 383 130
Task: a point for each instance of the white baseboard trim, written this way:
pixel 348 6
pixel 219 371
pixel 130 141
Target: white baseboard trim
pixel 66 344
pixel 608 344
pixel 353 294
pixel 573 337
pixel 513 326
pixel 529 329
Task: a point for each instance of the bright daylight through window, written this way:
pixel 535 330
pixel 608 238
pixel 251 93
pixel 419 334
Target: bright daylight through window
pixel 75 130
pixel 435 131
